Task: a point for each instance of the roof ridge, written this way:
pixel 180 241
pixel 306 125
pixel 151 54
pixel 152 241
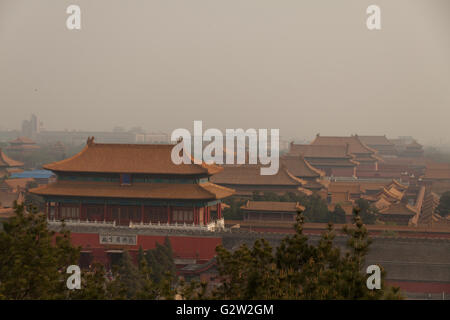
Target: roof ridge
pixel 311 167
pixel 77 155
pixel 290 175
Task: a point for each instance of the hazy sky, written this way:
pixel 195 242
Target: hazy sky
pixel 304 67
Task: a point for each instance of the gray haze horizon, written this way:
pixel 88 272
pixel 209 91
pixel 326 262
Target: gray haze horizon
pixel 305 67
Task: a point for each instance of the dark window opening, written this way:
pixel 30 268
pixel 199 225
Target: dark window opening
pixel 125 179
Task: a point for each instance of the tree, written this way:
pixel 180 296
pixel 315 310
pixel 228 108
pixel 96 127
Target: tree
pixel 316 209
pixel 338 214
pixel 444 204
pixel 367 212
pixel 297 269
pixel 93 285
pixel 127 278
pixel 160 261
pixel 33 259
pixel 234 211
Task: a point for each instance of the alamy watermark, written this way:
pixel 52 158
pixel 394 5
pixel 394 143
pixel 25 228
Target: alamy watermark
pixel 74 280
pixel 236 147
pixel 373 21
pixel 374 280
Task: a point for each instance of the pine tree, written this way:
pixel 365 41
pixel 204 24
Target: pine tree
pixel 33 259
pixel 297 269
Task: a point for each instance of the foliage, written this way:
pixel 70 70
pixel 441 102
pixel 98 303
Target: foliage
pixel 160 261
pixel 234 211
pixel 33 259
pixel 298 269
pixel 338 215
pixel 367 211
pixel 444 204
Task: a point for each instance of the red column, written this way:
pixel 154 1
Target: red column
pixel 104 212
pixel 168 214
pixel 80 211
pixel 58 210
pixel 218 210
pixel 197 216
pixel 142 213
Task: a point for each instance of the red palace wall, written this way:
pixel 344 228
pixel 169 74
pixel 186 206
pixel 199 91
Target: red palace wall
pixel 184 247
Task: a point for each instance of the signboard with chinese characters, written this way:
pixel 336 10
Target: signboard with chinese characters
pixel 118 239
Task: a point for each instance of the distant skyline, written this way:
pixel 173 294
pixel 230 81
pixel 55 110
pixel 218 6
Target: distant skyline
pixel 305 67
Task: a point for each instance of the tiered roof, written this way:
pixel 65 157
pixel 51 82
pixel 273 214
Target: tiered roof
pixel 22 140
pixel 248 174
pixel 162 191
pixel 300 167
pixel 22 143
pixel 320 151
pixel 375 140
pixel 132 159
pixel 129 158
pixel 319 155
pixel 355 145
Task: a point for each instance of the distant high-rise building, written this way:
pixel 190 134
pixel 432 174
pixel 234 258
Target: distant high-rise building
pixel 30 128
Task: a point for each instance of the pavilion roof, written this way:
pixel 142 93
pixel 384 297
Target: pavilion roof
pixel 272 206
pixel 399 186
pixel 375 140
pixel 399 208
pixel 248 174
pixel 5 161
pixel 382 203
pixel 392 193
pixel 355 145
pixel 22 140
pixel 7 198
pixel 300 167
pixel 172 191
pixel 129 158
pixel 22 147
pixel 320 151
pixel 19 183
